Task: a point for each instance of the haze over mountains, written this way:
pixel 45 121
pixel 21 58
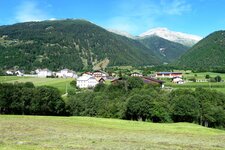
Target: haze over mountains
pixel 79 44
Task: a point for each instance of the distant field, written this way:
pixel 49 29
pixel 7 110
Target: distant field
pixel 202 75
pixel 59 83
pixel 36 132
pixel 214 86
pixel 219 86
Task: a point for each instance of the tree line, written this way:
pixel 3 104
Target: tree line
pixel 26 99
pixel 129 99
pixel 133 100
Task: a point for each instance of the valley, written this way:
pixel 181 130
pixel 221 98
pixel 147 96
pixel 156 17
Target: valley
pixel 112 75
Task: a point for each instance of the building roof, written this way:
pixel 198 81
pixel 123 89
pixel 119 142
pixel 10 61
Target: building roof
pixel 169 73
pixel 149 79
pixel 117 79
pixel 99 79
pixel 87 73
pixel 135 73
pixel 84 78
pixel 65 69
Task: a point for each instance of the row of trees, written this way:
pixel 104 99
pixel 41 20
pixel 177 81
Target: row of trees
pixel 128 99
pixel 134 100
pixel 24 98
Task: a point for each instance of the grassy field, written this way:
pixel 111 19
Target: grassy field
pixel 193 85
pixel 36 132
pixel 59 83
pixel 202 75
pixel 219 86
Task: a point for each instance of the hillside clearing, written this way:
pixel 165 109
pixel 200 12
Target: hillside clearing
pixel 39 132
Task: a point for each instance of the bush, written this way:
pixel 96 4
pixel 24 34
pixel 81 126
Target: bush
pixel 207 76
pixel 73 83
pixel 218 79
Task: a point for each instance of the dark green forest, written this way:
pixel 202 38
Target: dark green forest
pixel 206 55
pixel 72 44
pixel 129 99
pixel 79 45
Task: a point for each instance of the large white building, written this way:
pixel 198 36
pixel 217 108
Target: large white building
pixel 86 81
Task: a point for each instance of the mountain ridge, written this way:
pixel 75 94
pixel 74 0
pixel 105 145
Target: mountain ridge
pixel 73 44
pixel 207 53
pixel 179 37
pixel 169 51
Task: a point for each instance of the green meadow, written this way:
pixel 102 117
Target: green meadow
pixel 219 86
pixel 43 132
pixel 201 75
pixel 61 83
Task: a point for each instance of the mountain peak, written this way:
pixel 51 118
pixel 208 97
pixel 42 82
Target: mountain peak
pixel 179 37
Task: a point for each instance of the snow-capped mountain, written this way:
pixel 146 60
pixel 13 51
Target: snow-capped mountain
pixel 123 33
pixel 182 38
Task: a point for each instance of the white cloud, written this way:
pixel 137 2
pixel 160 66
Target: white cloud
pixel 30 11
pixel 175 7
pixel 134 15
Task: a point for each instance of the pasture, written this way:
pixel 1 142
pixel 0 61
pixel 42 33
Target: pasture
pixel 61 83
pixel 43 132
pixel 219 86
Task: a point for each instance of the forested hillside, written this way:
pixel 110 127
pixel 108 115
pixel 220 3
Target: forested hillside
pixel 167 50
pixel 207 54
pixel 73 44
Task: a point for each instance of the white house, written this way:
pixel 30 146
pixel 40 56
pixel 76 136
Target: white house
pixel 9 72
pixel 86 81
pixel 178 80
pixel 136 74
pixel 19 73
pixel 43 73
pixel 66 73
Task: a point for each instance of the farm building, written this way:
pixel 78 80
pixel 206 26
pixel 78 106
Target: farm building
pixel 86 81
pixel 178 80
pixel 150 80
pixel 147 80
pixel 168 74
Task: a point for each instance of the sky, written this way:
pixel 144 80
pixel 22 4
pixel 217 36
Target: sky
pixel 198 17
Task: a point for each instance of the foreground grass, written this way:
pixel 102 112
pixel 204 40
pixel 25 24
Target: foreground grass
pixel 36 132
pixel 59 83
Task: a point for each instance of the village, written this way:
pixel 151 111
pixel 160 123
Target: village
pixel 91 79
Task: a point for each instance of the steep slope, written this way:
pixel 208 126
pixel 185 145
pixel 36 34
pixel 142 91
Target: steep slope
pixel 73 44
pixel 167 50
pixel 178 37
pixel 208 53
